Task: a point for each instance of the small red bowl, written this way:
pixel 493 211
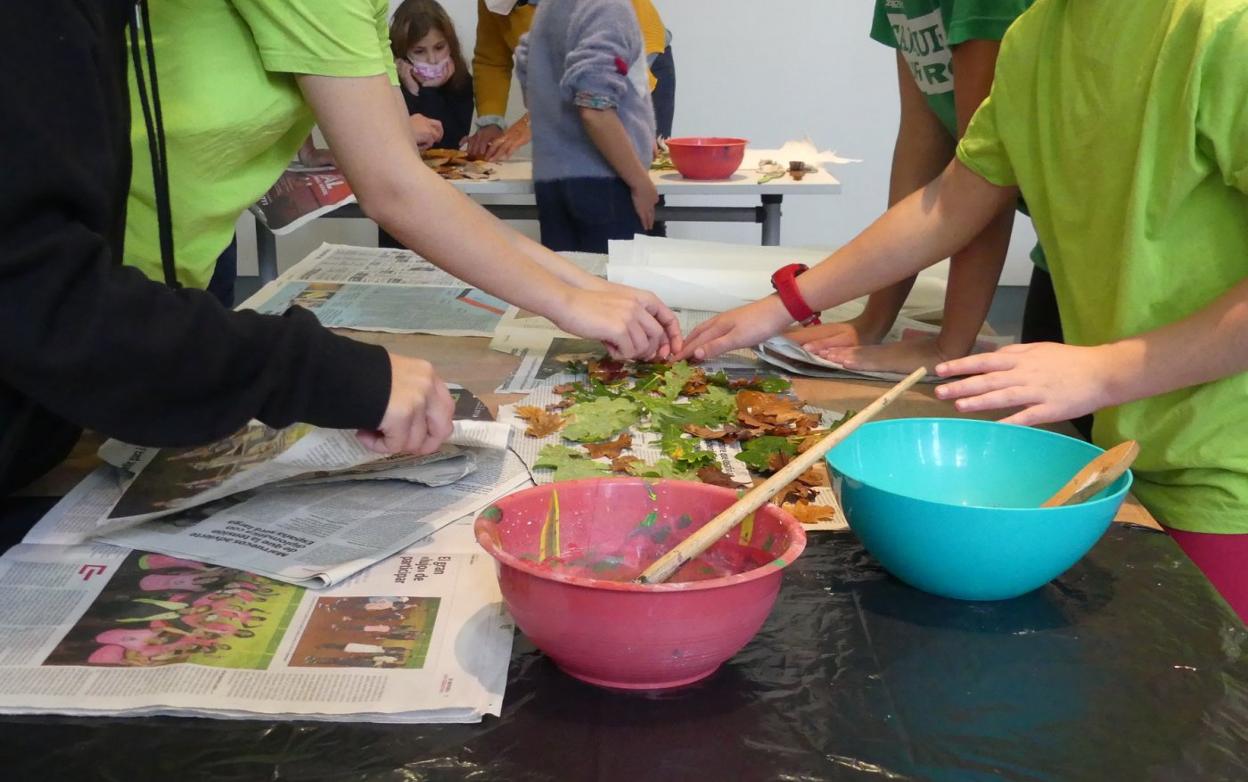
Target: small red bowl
pixel 613 632
pixel 706 157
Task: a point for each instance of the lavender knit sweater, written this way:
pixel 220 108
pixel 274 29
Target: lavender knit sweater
pixel 573 57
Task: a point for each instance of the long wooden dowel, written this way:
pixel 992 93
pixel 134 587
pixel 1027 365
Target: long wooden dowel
pixel 693 546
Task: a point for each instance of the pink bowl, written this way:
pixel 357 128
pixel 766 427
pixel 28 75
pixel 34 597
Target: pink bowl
pixel 616 633
pixel 706 157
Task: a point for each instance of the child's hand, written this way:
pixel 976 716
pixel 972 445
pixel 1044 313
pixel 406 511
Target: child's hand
pixel 1051 382
pixel 645 196
pixel 851 333
pixel 901 357
pixel 427 132
pixel 632 323
pixel 418 417
pixel 745 326
pixel 407 77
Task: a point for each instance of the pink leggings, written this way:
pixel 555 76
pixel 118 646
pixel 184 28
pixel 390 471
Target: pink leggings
pixel 1224 561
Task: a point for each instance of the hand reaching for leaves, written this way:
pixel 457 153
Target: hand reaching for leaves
pixel 855 331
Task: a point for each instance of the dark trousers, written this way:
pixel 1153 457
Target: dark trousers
pixel 583 213
pixel 223 276
pixel 664 100
pixel 1041 323
pixel 664 95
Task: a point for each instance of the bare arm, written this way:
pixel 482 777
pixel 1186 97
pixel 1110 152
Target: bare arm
pixel 1053 382
pixel 368 134
pixel 923 228
pixel 612 140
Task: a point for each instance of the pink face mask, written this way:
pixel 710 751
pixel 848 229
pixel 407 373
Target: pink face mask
pixel 431 71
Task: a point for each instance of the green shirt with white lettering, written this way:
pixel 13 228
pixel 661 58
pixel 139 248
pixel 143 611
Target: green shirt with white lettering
pixel 1126 127
pixel 923 31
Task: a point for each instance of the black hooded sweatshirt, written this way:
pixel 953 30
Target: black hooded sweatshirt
pixel 87 342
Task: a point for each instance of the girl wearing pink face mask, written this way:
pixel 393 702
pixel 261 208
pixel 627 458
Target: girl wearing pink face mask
pixel 435 78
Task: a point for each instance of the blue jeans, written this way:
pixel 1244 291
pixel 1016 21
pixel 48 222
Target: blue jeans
pixel 581 214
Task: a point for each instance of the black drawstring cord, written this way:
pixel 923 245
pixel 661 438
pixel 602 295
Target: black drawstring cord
pixel 155 138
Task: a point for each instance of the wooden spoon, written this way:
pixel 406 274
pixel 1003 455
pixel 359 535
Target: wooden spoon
pixel 1096 475
pixel 693 546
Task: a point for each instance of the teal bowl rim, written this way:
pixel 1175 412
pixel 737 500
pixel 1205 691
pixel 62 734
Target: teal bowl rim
pixel 1113 498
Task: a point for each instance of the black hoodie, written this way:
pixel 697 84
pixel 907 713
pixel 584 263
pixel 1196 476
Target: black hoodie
pixel 86 342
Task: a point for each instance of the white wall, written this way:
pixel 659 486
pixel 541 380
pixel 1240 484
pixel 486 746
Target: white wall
pixel 769 72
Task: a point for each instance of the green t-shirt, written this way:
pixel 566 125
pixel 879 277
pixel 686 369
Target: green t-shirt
pixel 1126 127
pixel 233 114
pixel 924 32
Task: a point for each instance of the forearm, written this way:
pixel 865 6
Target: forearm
pixel 611 139
pixel 922 149
pixel 973 275
pixel 1208 345
pixel 397 190
pixel 552 262
pixel 925 227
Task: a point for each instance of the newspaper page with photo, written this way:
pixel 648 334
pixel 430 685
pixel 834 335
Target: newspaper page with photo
pixel 317 536
pixel 93 630
pixel 299 197
pixel 314 529
pixel 176 479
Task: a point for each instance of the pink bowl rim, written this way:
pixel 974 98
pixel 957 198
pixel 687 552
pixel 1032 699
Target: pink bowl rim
pixel 707 141
pixel 797 544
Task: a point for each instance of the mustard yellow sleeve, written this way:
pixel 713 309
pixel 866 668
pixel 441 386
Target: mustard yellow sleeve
pixel 491 63
pixel 653 33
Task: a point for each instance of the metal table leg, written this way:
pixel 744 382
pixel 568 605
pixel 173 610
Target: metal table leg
pixel 771 220
pixel 266 253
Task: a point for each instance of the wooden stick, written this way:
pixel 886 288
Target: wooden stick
pixel 693 546
pixel 1096 475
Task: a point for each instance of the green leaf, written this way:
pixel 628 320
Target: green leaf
pixel 684 451
pixel 570 464
pixel 757 452
pixel 713 409
pixel 675 378
pixel 770 384
pixel 601 419
pixel 663 468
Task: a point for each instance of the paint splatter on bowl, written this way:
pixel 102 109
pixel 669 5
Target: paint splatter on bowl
pixel 567 554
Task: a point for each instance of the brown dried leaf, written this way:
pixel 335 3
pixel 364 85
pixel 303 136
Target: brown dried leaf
pixel 711 474
pixel 807 513
pixel 815 476
pixel 562 404
pixel 611 448
pixel 695 385
pixel 564 388
pixel 728 434
pixel 622 464
pixel 607 370
pixel 774 414
pixel 541 422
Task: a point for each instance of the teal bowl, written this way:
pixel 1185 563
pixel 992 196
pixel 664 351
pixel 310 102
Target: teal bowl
pixel 951 506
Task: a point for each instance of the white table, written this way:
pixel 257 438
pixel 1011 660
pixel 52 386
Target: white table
pixel 515 178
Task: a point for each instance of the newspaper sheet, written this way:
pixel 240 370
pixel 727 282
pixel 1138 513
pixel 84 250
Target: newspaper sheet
pixel 94 630
pixel 646 447
pixel 177 479
pixel 317 536
pixel 407 309
pixel 301 196
pixel 341 263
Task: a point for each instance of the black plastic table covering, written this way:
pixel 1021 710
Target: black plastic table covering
pixel 1128 667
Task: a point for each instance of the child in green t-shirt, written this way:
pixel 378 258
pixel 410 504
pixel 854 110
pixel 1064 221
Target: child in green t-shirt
pixel 1123 125
pixel 934 39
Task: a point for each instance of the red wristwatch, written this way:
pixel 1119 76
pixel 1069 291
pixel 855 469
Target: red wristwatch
pixel 785 283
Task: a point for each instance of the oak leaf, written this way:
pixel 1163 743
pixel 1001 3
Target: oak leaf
pixel 541 422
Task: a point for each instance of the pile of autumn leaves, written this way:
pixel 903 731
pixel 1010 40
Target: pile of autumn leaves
pixel 685 406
